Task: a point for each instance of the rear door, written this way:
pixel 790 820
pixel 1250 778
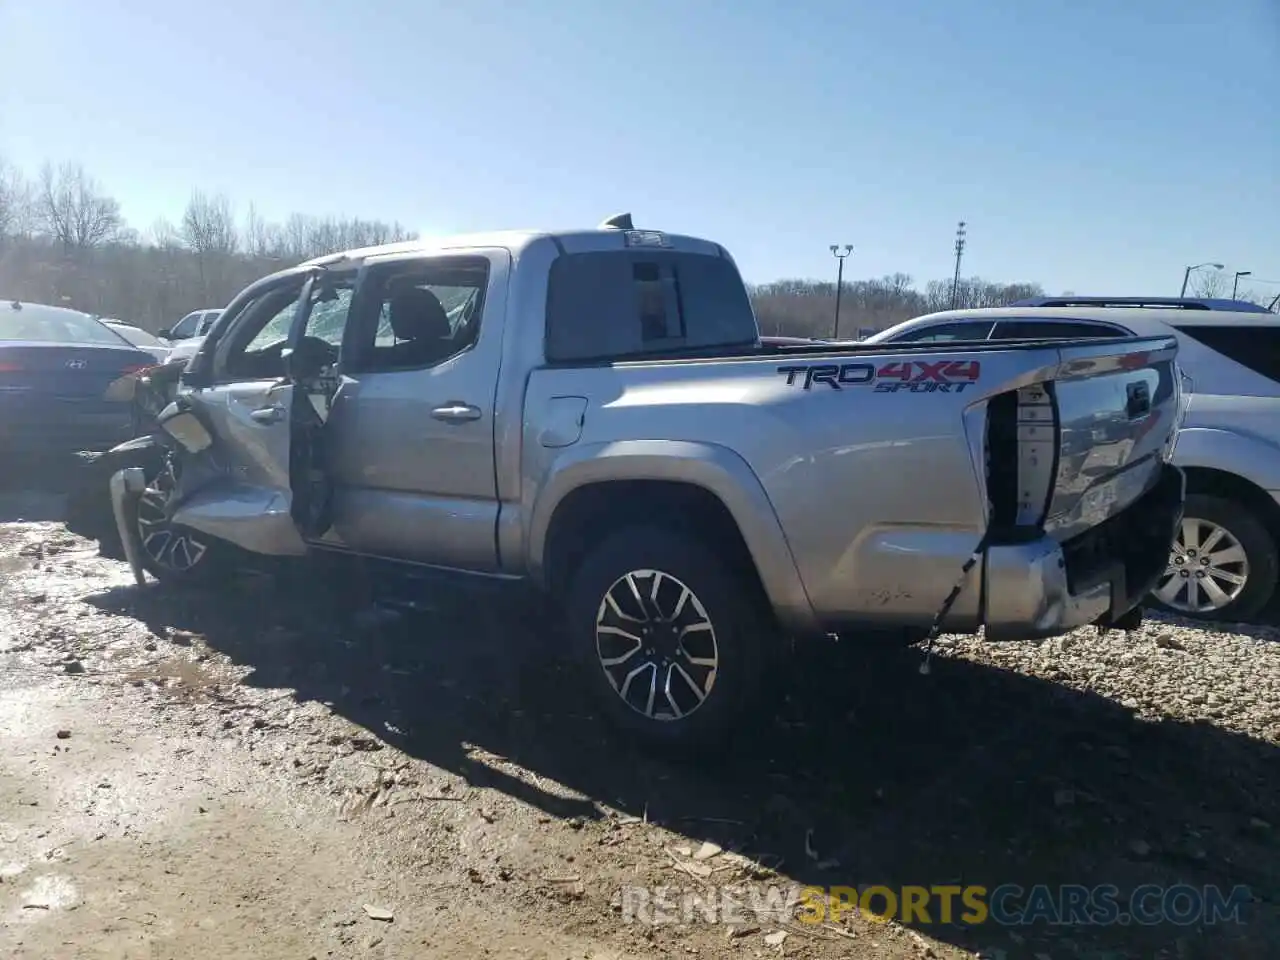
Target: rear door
pixel 410 437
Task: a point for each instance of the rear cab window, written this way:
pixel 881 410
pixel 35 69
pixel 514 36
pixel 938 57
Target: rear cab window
pixel 36 322
pixel 614 305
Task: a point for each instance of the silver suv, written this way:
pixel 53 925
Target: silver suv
pixel 1224 562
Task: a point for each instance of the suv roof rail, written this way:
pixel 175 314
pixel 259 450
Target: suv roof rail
pixel 1177 303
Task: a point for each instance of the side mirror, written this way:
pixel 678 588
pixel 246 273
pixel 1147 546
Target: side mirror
pixel 165 333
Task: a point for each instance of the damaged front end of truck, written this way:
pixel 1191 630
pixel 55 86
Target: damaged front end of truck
pixel 227 470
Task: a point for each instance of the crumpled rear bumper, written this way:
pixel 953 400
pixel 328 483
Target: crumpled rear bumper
pixel 1042 588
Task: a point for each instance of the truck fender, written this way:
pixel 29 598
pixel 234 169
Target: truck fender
pixel 1248 457
pixel 715 468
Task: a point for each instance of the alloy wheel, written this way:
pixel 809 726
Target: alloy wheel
pixel 657 645
pixel 171 548
pixel 1208 568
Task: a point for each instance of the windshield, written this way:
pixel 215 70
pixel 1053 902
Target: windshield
pixel 33 321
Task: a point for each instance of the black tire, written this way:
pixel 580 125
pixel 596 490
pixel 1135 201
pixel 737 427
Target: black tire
pixel 89 515
pixel 739 636
pixel 216 559
pixel 1259 545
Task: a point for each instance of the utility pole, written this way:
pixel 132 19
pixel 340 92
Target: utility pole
pixel 1235 284
pixel 839 255
pixel 955 280
pixel 1186 274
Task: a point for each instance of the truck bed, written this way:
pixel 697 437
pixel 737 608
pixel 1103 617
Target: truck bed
pixel 910 452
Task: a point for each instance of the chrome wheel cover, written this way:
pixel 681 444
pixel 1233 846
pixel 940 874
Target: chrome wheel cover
pixel 1207 570
pixel 656 645
pixel 173 549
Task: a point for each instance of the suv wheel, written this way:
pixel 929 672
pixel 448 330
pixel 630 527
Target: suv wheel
pixel 1223 565
pixel 667 635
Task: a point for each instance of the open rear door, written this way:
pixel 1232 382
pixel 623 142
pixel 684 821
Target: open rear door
pixel 271 490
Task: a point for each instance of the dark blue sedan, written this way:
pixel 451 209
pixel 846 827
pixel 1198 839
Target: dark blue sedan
pixel 66 381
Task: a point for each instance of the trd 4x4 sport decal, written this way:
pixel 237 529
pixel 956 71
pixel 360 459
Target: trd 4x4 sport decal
pixel 910 376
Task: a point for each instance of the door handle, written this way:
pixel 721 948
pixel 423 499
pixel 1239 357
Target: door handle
pixel 272 414
pixel 457 413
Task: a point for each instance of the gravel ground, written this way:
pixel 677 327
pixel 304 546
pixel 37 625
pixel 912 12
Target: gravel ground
pixel 260 771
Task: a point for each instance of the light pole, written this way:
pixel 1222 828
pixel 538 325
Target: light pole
pixel 955 280
pixel 1186 274
pixel 1235 284
pixel 839 255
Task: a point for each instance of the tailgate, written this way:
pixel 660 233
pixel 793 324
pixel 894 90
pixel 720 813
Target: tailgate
pixel 1116 407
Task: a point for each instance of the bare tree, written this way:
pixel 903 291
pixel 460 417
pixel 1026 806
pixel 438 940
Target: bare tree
pixel 256 234
pixel 208 229
pixel 164 234
pixel 208 225
pixel 15 202
pixel 73 210
pixel 1209 284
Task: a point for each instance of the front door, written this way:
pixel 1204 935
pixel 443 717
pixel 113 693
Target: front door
pixel 267 423
pixel 411 433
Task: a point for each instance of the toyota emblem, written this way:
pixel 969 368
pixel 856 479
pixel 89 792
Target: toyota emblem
pixel 77 364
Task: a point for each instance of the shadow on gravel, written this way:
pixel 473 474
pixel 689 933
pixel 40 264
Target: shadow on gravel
pixel 969 776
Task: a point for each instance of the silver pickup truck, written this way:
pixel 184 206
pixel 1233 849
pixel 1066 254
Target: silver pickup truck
pixel 595 413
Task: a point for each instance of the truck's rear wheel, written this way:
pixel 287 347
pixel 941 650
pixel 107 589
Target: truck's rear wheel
pixel 668 636
pixel 1223 564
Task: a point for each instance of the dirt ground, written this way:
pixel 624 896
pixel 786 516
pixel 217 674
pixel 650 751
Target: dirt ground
pixel 263 771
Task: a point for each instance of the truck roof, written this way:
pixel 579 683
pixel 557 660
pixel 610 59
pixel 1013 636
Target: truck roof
pixel 605 237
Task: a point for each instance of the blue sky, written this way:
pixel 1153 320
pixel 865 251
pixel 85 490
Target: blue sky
pixel 1095 145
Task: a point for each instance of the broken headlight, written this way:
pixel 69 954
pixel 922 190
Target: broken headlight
pixel 184 426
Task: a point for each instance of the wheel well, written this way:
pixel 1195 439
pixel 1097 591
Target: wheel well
pixel 1229 486
pixel 592 511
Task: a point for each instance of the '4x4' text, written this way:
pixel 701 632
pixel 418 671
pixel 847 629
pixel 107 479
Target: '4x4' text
pixel 912 376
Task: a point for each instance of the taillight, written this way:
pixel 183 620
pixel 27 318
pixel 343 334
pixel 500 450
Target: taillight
pixel 137 370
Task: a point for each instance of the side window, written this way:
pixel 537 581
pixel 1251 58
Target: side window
pixel 328 318
pixel 253 348
pixel 1054 330
pixel 276 317
pixel 1256 347
pixel 419 313
pixel 608 306
pixel 206 321
pixel 967 330
pixel 186 327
